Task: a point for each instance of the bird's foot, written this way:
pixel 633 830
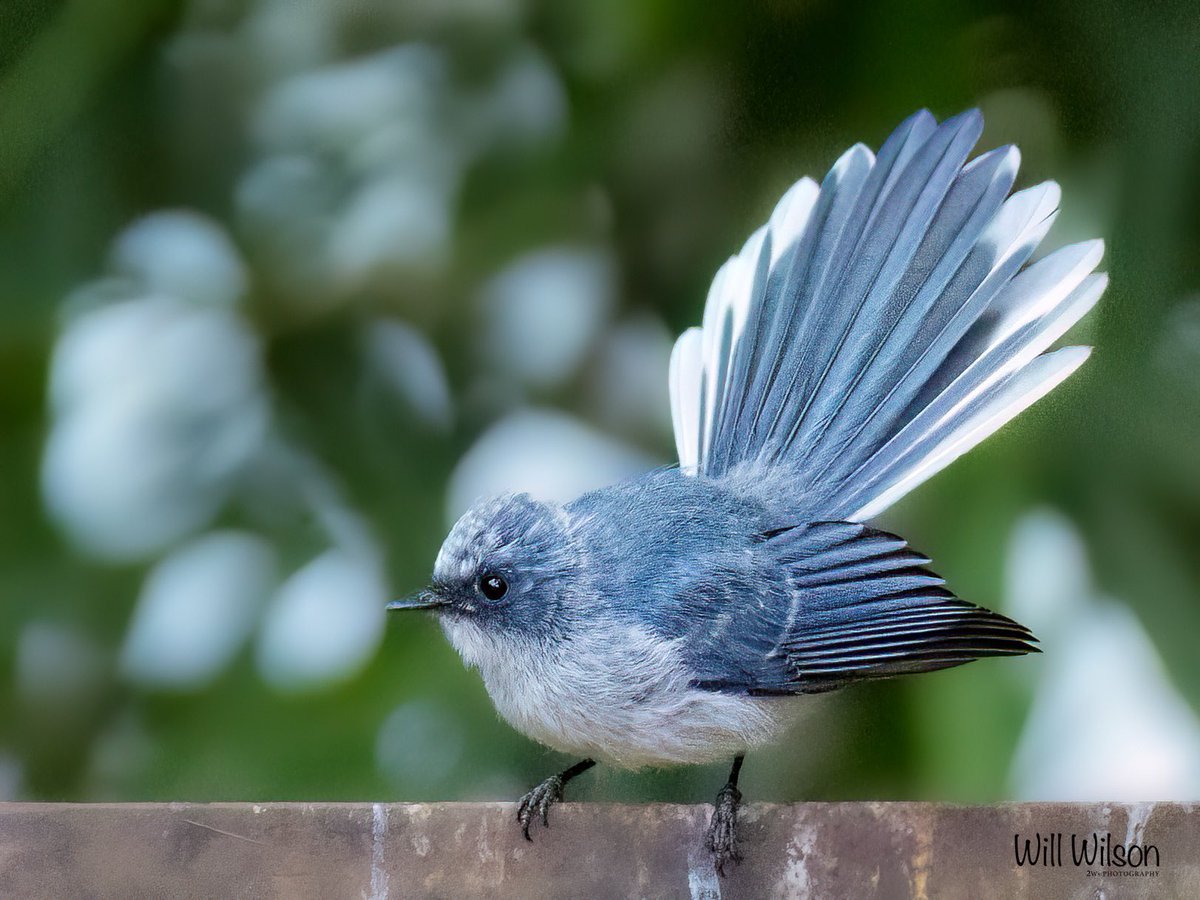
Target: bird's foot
pixel 721 839
pixel 536 804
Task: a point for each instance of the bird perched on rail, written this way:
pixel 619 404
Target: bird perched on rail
pixel 879 325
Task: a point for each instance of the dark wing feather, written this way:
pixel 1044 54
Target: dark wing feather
pixel 852 604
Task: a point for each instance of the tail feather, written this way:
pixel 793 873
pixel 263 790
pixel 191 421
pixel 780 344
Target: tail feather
pixel 900 229
pixel 958 433
pixel 879 326
pixel 776 368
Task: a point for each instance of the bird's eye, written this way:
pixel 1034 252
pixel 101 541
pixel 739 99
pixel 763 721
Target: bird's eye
pixel 492 586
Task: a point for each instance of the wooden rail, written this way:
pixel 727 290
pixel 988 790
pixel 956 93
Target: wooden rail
pixel 458 850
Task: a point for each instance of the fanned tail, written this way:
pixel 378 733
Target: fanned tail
pixel 881 325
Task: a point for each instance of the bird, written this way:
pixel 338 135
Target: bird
pixel 879 325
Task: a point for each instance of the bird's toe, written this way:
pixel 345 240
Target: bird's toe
pixel 721 840
pixel 536 804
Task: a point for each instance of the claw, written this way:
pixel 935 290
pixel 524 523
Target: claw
pixel 721 840
pixel 537 803
pixel 523 817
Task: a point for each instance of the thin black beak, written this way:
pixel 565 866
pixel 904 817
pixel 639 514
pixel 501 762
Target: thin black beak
pixel 420 600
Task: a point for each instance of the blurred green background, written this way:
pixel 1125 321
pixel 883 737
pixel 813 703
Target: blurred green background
pixel 283 285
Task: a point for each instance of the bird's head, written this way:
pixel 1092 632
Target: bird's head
pixel 503 572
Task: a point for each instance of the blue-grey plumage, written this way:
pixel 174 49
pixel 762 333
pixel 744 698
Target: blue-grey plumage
pixel 878 326
pixel 671 619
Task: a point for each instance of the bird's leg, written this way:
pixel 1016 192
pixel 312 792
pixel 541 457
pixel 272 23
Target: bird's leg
pixel 722 830
pixel 537 802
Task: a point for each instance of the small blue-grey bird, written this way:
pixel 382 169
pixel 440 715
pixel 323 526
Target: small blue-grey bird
pixel 877 327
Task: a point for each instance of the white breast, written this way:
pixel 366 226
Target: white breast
pixel 616 693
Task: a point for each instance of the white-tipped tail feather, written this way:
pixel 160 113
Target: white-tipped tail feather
pixel 881 325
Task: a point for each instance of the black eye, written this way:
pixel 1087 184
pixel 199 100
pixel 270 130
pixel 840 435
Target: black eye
pixel 492 586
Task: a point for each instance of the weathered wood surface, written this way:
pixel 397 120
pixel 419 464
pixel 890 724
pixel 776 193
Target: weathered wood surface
pixel 363 850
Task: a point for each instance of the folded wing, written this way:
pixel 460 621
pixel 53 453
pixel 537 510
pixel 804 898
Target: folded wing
pixel 859 605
